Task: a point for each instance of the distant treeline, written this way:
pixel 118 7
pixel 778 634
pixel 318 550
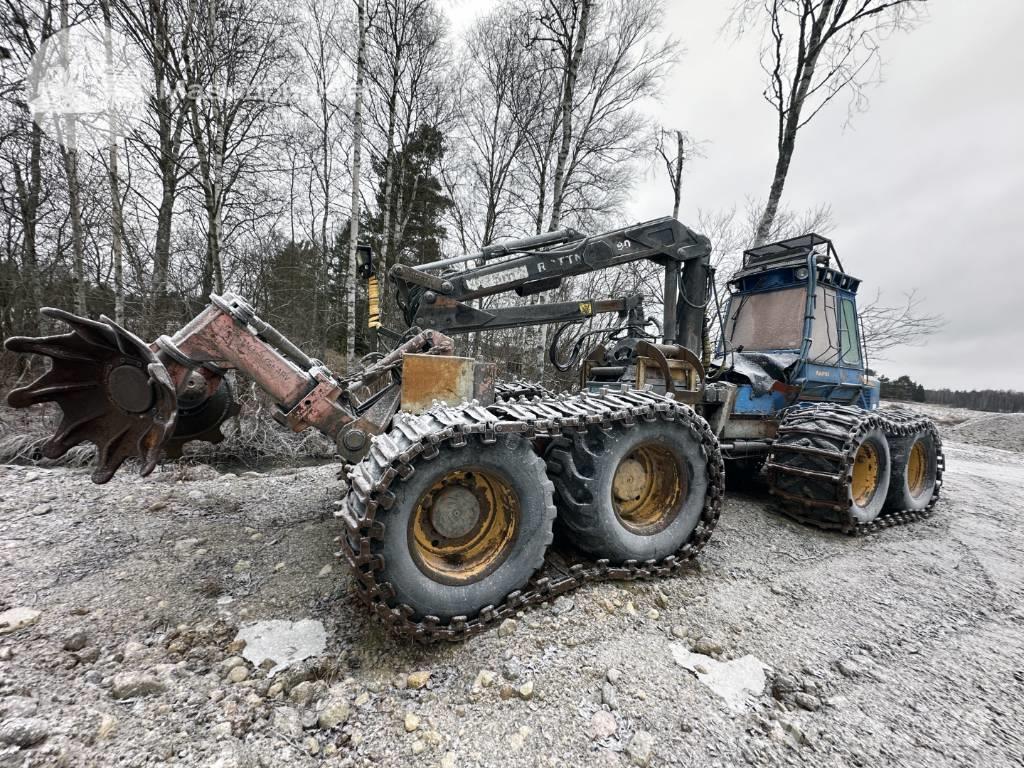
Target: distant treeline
pixel 999 401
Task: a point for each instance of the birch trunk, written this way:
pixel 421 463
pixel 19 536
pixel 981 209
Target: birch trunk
pixel 206 182
pixel 28 202
pixel 116 232
pixel 171 121
pixel 677 171
pixel 789 120
pixel 70 157
pixel 69 154
pixel 116 212
pixel 389 185
pixel 568 95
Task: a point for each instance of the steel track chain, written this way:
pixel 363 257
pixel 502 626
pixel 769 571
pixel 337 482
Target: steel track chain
pixel 848 424
pixel 394 456
pixel 515 389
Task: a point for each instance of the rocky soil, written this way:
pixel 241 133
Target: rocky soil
pixel 121 605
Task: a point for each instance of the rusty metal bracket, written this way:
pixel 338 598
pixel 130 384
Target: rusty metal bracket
pixel 661 354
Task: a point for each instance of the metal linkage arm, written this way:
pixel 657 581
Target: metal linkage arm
pixel 453 316
pixel 229 335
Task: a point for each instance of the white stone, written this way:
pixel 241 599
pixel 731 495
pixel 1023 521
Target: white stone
pixel 738 682
pixel 14 619
pixel 602 725
pixel 285 642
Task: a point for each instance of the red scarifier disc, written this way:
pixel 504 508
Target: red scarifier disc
pixel 111 388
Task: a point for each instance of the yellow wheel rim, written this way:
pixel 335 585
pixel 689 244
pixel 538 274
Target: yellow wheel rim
pixel 917 468
pixel 865 474
pixel 647 487
pixel 464 526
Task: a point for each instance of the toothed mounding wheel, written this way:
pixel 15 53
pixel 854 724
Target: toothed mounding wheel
pixel 468 527
pixel 630 492
pixel 110 387
pixel 202 422
pixel 916 462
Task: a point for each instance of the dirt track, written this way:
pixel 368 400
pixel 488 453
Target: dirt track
pixel 906 647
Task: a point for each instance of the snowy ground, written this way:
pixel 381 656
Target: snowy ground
pixel 906 647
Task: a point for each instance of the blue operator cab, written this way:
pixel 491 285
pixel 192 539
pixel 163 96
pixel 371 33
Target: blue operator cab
pixel 791 332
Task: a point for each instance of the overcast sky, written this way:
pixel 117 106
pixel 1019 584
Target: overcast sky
pixel 926 187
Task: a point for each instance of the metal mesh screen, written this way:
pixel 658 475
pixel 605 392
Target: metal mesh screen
pixel 763 321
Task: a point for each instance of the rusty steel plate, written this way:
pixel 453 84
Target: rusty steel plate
pixel 441 378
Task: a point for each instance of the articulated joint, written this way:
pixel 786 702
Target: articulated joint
pixel 235 306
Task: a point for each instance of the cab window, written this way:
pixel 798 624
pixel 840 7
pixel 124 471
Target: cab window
pixel 849 335
pixel 766 321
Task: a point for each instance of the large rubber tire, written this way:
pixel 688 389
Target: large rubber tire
pixel 908 491
pixel 513 460
pixel 583 468
pixel 812 466
pixel 867 510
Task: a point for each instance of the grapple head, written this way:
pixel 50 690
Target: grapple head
pixel 111 388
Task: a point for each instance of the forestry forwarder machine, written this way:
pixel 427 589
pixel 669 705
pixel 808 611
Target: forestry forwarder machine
pixel 454 493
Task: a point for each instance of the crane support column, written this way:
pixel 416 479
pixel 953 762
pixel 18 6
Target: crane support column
pixel 671 297
pixel 689 328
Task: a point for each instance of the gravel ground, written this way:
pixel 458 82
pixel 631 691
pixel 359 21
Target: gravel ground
pixel 996 430
pixel 905 648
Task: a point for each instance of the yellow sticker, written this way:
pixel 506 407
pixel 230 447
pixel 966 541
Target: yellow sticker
pixel 373 294
pixel 586 309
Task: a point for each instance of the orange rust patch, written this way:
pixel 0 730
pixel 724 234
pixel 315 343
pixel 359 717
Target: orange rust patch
pixel 426 378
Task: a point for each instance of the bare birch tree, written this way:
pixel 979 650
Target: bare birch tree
pixel 163 30
pixel 323 62
pixel 568 24
pixel 814 51
pixel 25 27
pixel 113 175
pixel 674 148
pixel 234 75
pixel 499 110
pixel 407 70
pixel 69 154
pixel 357 160
pixel 624 59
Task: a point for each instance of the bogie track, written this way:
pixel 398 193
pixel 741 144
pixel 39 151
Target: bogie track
pixel 812 468
pixel 414 441
pixel 630 492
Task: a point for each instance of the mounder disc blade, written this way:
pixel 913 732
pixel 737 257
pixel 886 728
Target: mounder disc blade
pixel 111 388
pixel 202 421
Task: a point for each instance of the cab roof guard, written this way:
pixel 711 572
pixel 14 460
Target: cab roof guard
pixel 794 250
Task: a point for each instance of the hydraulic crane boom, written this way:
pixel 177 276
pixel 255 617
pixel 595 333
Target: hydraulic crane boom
pixel 437 296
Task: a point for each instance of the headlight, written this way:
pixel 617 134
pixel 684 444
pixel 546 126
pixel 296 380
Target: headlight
pixel 801 274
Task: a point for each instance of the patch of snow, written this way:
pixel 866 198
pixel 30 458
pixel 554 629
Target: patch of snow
pixel 738 681
pixel 284 642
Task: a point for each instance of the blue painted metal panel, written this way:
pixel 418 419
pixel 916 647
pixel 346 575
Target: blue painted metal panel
pixel 830 374
pixel 749 404
pixel 833 383
pixel 872 396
